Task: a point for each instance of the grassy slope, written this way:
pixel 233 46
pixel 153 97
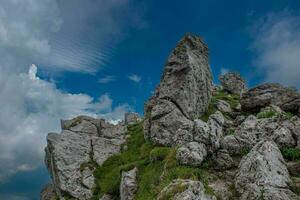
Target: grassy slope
pixel 157 167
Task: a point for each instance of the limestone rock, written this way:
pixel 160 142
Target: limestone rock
pixel 185 190
pixel 222 160
pixel 294 168
pixel 224 106
pixel 282 130
pixel 132 118
pixel 72 156
pixel 270 93
pixel 106 197
pixel 233 83
pixel 182 95
pixel 192 154
pixel 262 174
pixel 48 193
pixel 128 186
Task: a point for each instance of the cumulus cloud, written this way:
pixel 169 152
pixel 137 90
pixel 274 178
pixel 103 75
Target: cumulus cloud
pixel 135 78
pixel 107 79
pixel 30 108
pixel 277 45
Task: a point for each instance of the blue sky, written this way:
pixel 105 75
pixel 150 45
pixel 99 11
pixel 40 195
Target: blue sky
pixel 62 58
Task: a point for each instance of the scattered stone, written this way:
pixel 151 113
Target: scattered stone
pixel 185 190
pixel 233 83
pixel 182 95
pixel 48 193
pixel 128 186
pixel 132 118
pixel 271 93
pixel 192 154
pixel 224 106
pixel 262 174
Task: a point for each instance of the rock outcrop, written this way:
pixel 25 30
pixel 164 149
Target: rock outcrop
pixel 128 186
pixel 48 193
pixel 262 174
pixel 72 156
pixel 182 95
pixel 185 189
pixel 233 83
pixel 288 99
pixel 192 154
pixel 132 118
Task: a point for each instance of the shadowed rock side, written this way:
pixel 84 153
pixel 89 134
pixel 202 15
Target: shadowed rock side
pixel 182 95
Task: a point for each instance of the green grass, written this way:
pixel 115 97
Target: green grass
pixel 157 167
pixel 291 154
pixel 266 114
pixel 233 100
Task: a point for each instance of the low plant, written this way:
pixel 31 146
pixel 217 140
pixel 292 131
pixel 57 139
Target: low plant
pixel 291 154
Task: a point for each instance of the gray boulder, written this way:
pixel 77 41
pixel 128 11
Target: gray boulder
pixel 262 174
pixel 233 83
pixel 73 155
pixel 224 106
pixel 222 160
pixel 192 154
pixel 185 190
pixel 128 186
pixel 182 95
pixel 132 118
pixel 288 99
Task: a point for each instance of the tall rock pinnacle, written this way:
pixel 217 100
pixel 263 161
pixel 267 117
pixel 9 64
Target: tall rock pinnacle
pixel 182 95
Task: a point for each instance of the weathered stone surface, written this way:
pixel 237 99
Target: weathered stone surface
pixel 233 82
pixel 262 174
pixel 282 130
pixel 294 168
pixel 192 154
pixel 182 95
pixel 128 186
pixel 222 189
pixel 224 106
pixel 106 197
pixel 132 118
pixel 185 190
pixel 48 193
pixel 270 93
pixel 72 156
pixel 222 160
pixel 210 133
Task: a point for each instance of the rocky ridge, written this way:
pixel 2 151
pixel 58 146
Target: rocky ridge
pixel 196 141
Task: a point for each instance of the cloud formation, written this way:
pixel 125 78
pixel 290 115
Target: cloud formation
pixel 30 108
pixel 107 79
pixel 135 78
pixel 277 46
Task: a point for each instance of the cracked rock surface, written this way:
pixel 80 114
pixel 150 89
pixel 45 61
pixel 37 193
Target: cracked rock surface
pixel 72 155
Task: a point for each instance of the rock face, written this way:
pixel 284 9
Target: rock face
pixel 128 186
pixel 285 132
pixel 132 118
pixel 48 193
pixel 262 174
pixel 233 83
pixel 182 95
pixel 72 156
pixel 185 189
pixel 287 99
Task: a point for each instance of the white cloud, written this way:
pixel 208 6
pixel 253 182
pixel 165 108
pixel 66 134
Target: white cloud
pixel 135 78
pixel 107 79
pixel 277 45
pixel 30 108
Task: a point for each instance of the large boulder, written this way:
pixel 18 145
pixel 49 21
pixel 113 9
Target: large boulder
pixel 262 174
pixel 128 186
pixel 288 99
pixel 182 95
pixel 73 155
pixel 192 154
pixel 233 83
pixel 185 189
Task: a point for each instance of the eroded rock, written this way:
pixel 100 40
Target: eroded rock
pixel 233 83
pixel 262 174
pixel 128 186
pixel 192 154
pixel 132 118
pixel 48 193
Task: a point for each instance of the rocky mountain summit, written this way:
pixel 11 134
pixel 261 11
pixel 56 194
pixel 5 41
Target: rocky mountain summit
pixel 196 141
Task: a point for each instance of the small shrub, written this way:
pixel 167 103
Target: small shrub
pixel 291 154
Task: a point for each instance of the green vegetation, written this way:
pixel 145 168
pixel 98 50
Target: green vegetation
pixel 233 100
pixel 267 114
pixel 157 167
pixel 230 131
pixel 291 154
